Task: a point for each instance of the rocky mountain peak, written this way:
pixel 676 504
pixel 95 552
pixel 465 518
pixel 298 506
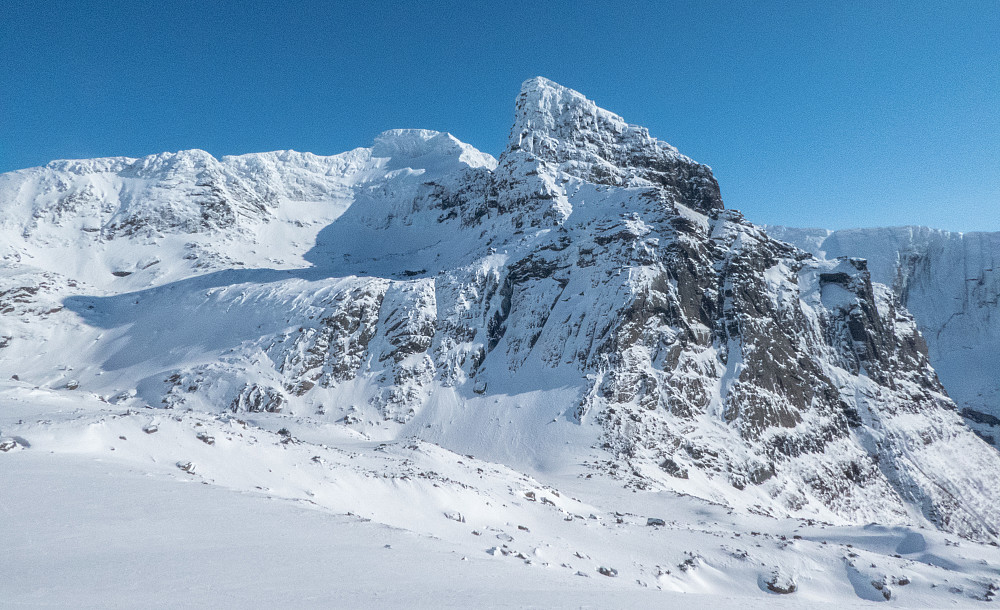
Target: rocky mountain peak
pixel 547 111
pixel 557 125
pixel 588 300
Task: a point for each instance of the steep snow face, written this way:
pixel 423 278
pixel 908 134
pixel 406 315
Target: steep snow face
pixel 585 299
pixel 951 284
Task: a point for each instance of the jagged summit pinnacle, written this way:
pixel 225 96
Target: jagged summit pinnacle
pixel 561 126
pixel 546 108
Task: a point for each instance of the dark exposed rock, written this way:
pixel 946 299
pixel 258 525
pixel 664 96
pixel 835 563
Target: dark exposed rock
pixel 257 399
pixel 8 444
pixel 781 584
pixel 980 417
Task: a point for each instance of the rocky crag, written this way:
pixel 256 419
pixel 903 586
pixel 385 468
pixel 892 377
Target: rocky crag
pixel 949 282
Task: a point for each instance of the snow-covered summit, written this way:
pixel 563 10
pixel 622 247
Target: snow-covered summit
pixel 409 145
pixel 561 126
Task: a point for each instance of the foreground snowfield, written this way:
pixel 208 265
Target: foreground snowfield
pixel 100 510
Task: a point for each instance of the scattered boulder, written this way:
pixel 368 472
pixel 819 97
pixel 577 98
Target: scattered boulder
pixel 206 438
pixel 781 583
pixel 609 572
pixel 455 516
pixel 7 444
pixel 151 429
pixel 674 469
pixel 655 521
pixel 187 467
pixel 258 399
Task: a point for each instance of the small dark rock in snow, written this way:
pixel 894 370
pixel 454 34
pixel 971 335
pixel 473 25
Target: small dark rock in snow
pixel 205 438
pixel 781 584
pixel 610 572
pixel 655 521
pixel 186 466
pixel 150 429
pixel 7 444
pixel 455 516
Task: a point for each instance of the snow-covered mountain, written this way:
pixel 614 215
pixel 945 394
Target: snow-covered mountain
pixel 584 307
pixel 950 282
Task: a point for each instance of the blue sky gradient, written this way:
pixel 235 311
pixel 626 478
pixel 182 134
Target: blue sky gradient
pixel 833 114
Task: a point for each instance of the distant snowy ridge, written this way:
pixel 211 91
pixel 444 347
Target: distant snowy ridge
pixel 951 283
pixel 585 298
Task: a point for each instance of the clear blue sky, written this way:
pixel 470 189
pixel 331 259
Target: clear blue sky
pixel 831 114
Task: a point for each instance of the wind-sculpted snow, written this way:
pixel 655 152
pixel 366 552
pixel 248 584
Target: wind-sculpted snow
pixel 951 284
pixel 586 294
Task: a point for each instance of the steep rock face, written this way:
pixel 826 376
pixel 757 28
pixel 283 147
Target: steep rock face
pixel 588 288
pixel 950 282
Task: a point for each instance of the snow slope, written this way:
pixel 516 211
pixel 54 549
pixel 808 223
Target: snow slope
pixel 98 512
pixel 582 315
